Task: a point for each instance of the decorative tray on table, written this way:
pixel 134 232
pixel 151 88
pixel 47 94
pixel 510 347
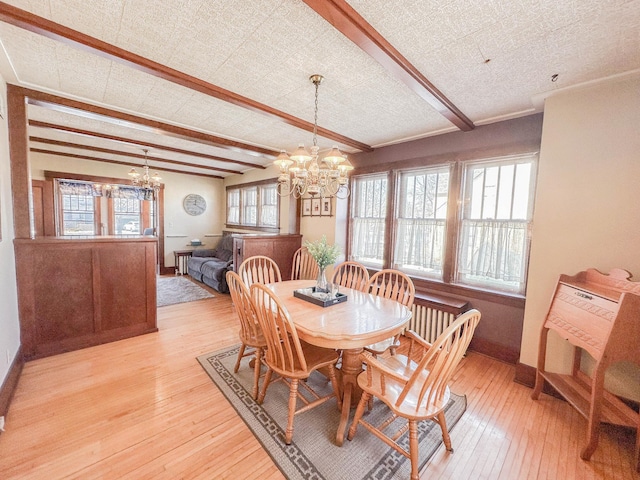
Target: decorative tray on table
pixel 319 298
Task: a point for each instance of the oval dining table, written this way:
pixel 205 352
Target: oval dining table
pixel 362 320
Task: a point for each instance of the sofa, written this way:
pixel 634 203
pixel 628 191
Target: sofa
pixel 210 266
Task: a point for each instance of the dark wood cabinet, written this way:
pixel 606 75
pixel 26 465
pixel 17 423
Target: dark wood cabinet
pixel 82 292
pixel 280 248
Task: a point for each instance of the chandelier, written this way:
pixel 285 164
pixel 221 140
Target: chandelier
pixel 146 181
pixel 305 172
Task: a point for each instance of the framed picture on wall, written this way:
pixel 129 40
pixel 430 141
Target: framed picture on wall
pixel 315 206
pixel 306 207
pixel 325 207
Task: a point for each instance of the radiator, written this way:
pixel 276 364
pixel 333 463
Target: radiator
pixel 429 322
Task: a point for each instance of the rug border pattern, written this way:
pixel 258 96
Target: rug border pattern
pixel 386 468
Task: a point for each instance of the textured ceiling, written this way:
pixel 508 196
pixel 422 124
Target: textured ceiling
pixel 490 58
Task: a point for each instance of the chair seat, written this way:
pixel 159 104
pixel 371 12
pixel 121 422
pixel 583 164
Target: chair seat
pixel 400 365
pixel 393 389
pixel 316 357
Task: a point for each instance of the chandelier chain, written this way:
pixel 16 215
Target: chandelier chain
pixel 305 173
pixel 315 116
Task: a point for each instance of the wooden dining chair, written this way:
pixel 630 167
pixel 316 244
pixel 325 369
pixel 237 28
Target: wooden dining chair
pixel 352 275
pixel 394 285
pixel 415 386
pixel 289 357
pixel 304 265
pixel 250 331
pixel 259 269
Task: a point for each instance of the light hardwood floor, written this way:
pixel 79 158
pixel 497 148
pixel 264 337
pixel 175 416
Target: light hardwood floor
pixel 144 408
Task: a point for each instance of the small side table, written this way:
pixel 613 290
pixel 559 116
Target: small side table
pixel 180 259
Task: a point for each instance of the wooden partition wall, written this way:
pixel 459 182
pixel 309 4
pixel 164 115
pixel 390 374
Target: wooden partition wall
pixel 75 293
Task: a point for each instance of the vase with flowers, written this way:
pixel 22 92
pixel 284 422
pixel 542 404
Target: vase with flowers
pixel 324 255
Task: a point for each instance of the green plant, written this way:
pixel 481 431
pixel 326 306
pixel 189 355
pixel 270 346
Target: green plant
pixel 323 253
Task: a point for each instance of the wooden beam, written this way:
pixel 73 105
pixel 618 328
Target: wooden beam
pixel 42 26
pixel 117 162
pixel 104 114
pixel 60 143
pixel 353 26
pixel 138 143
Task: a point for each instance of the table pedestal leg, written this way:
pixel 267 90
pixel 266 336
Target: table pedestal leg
pixel 351 367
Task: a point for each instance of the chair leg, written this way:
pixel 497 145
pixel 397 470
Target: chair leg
pixel 256 373
pixel 445 431
pixel 364 400
pixel 413 449
pixel 293 399
pixel 265 384
pixel 240 355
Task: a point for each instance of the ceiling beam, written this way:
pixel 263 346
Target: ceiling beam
pixel 42 26
pixel 104 114
pixel 353 26
pixel 137 143
pixel 91 148
pixel 117 162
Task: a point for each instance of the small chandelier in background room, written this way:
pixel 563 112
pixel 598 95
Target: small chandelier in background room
pixel 146 181
pixel 305 172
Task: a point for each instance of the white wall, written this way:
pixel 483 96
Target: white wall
pixel 9 321
pixel 587 208
pixel 179 227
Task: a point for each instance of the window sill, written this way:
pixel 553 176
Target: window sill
pixel 252 228
pixel 425 286
pixel 502 298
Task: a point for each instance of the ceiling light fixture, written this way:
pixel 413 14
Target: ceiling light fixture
pixel 146 181
pixel 305 172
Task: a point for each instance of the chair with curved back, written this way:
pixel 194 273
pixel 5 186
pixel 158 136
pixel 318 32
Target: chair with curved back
pixel 288 356
pixel 394 285
pixel 250 332
pixel 415 386
pixel 304 265
pixel 259 269
pixel 352 275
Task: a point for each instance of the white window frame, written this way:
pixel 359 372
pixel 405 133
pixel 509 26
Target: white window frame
pixel 495 223
pixel 368 217
pixel 253 217
pixel 420 222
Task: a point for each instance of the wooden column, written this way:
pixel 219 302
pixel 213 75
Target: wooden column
pixel 19 157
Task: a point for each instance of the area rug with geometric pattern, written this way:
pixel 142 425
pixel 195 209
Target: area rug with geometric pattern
pixel 171 290
pixel 313 453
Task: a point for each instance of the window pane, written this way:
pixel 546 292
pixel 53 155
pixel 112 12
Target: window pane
pixel 126 213
pixel 78 215
pixel 250 206
pixel 233 206
pixel 494 234
pixel 369 209
pixel 269 206
pixel 420 226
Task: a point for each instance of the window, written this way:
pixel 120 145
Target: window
pixel 494 234
pixel 78 214
pixel 250 206
pixel 421 221
pixel 254 205
pixel 486 206
pixel 233 206
pixel 126 213
pixel 368 213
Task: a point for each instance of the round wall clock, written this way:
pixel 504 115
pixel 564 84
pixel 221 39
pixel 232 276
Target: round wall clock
pixel 194 204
